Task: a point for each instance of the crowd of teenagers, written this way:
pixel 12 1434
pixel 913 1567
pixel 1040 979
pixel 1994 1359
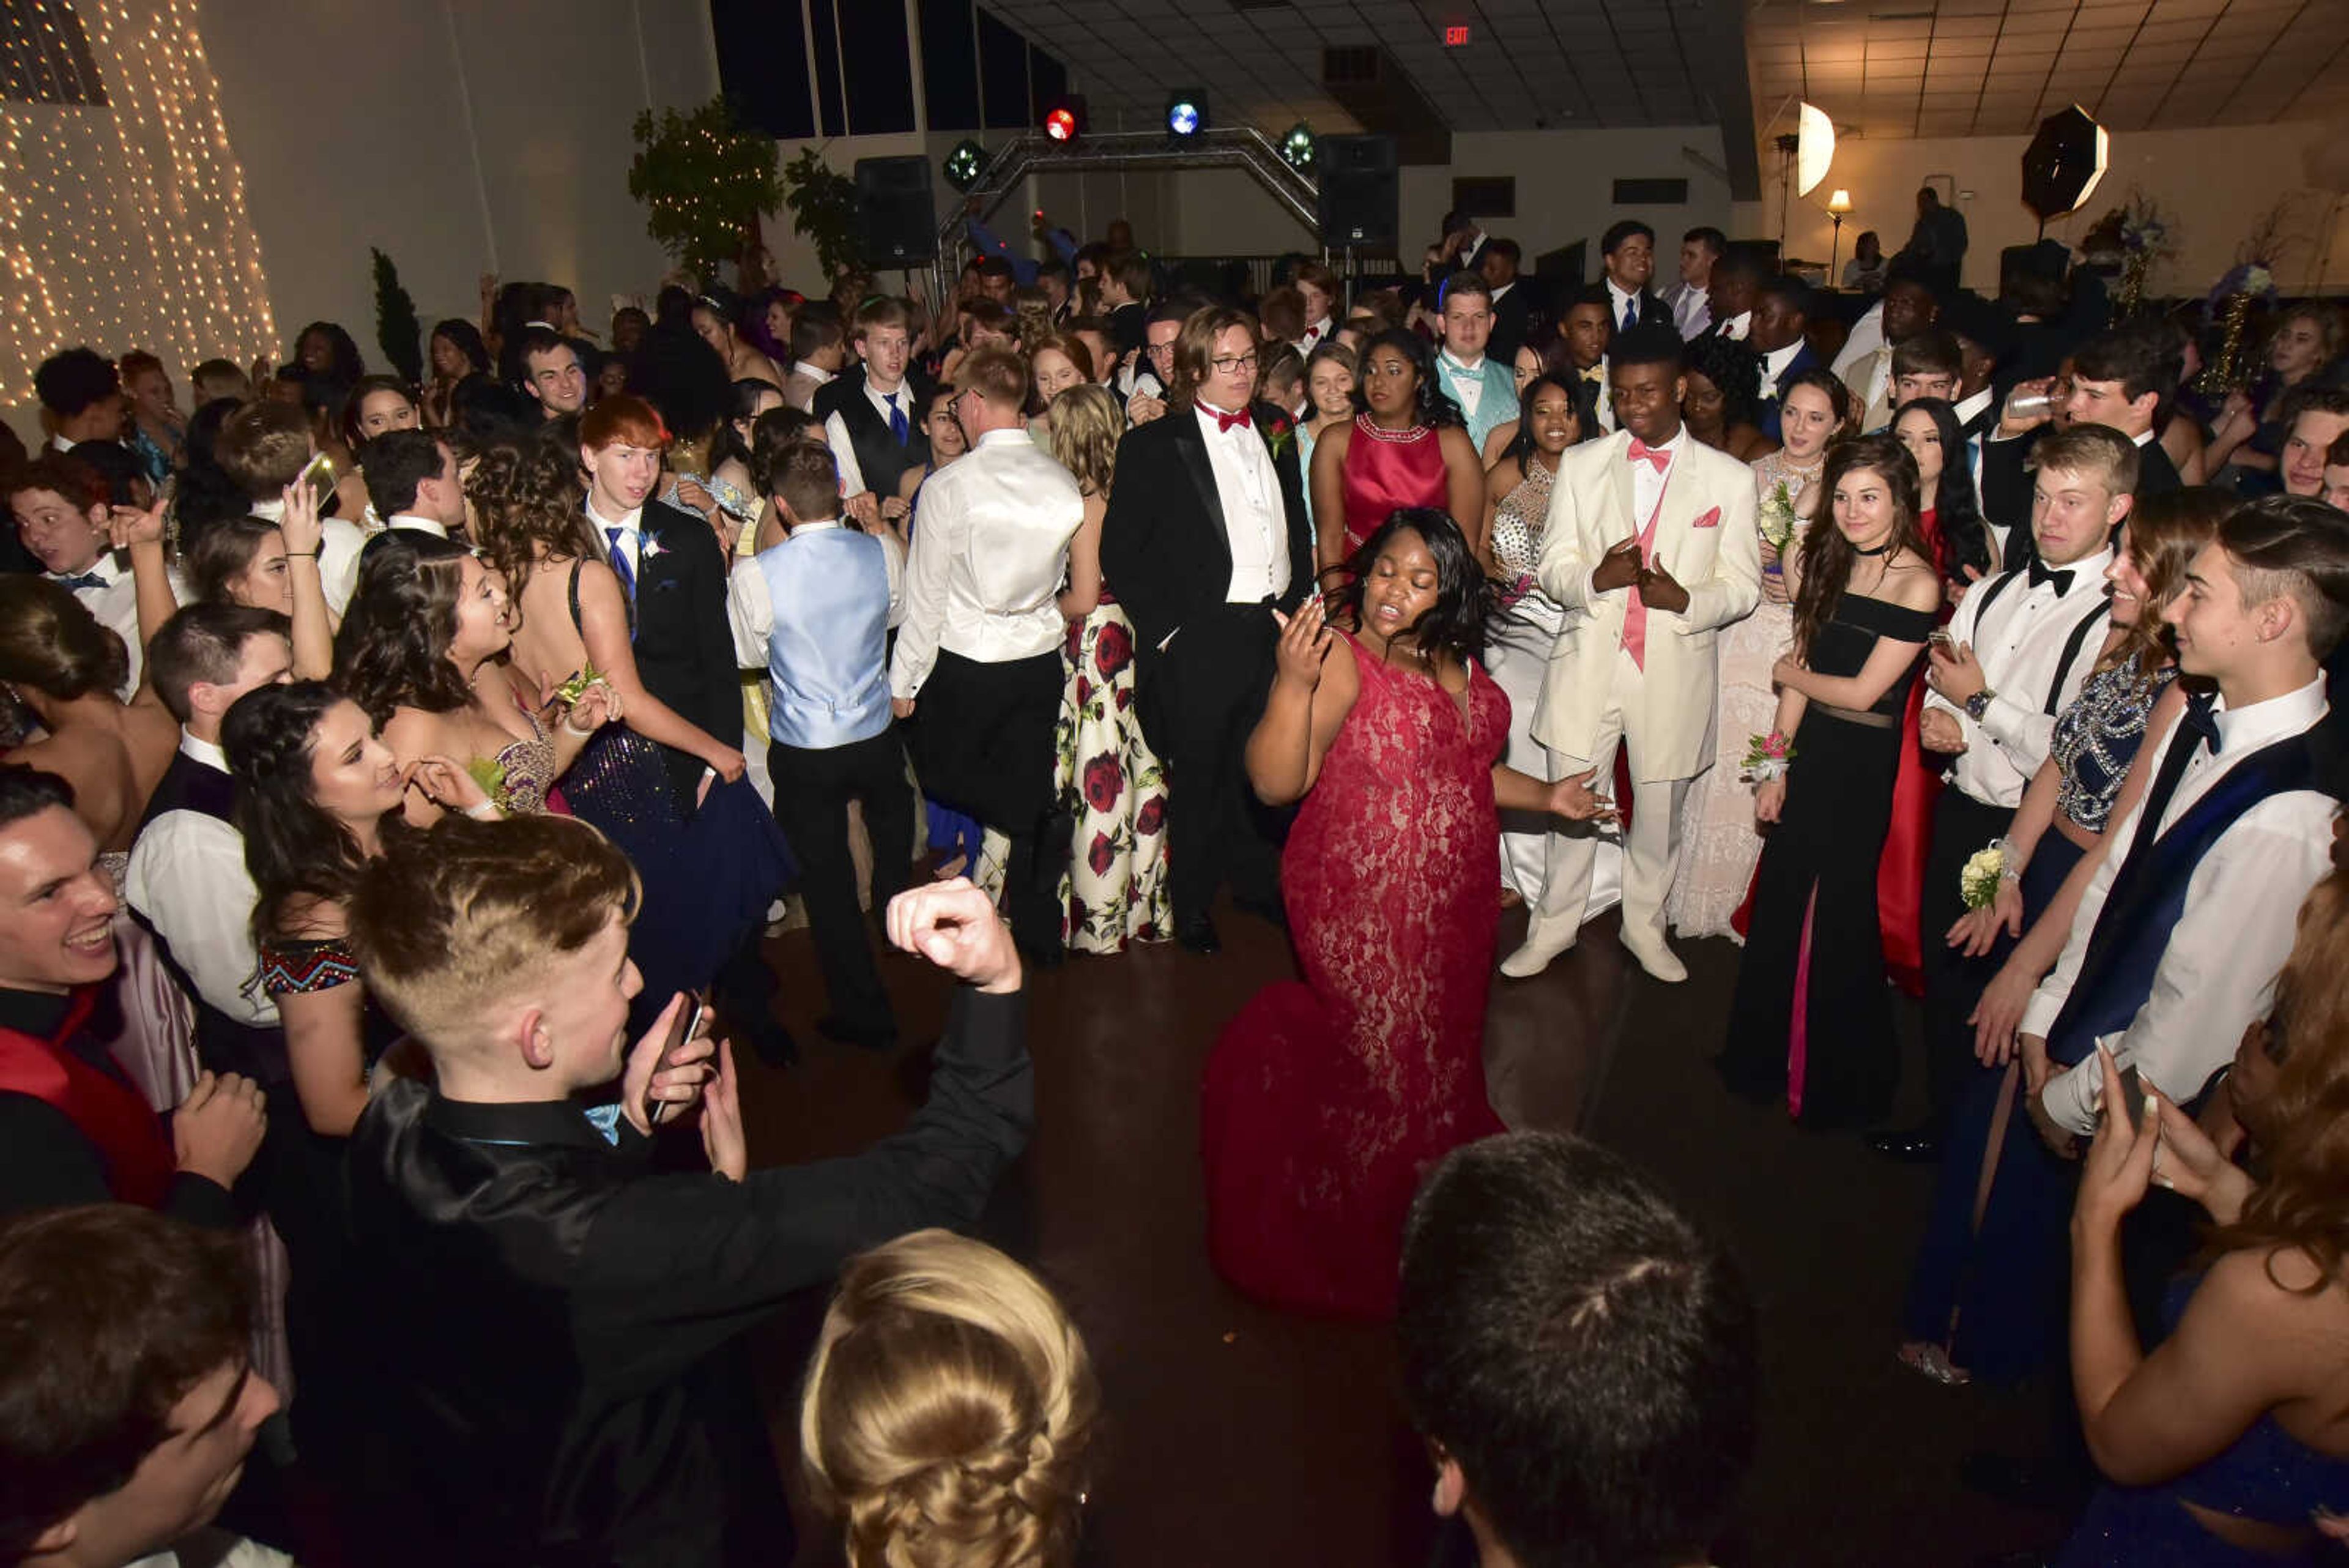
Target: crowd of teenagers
pixel 402 782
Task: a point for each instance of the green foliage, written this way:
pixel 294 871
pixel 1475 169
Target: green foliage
pixel 704 181
pixel 823 210
pixel 397 331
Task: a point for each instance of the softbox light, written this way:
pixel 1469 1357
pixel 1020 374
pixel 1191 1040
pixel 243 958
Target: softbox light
pixel 2061 166
pixel 1815 147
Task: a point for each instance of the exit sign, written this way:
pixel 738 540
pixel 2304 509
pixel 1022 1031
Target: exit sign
pixel 1455 35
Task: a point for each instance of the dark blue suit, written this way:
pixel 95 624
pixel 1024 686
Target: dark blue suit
pixel 1768 418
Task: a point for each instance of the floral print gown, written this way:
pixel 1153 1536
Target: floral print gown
pixel 1110 783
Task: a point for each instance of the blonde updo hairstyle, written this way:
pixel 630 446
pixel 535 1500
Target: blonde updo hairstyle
pixel 948 1410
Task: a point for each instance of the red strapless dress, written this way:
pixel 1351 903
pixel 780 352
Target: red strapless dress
pixel 1900 872
pixel 1325 1101
pixel 1386 469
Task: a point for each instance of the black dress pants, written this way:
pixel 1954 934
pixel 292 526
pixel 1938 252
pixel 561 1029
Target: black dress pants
pixel 1962 827
pixel 983 742
pixel 1199 699
pixel 813 792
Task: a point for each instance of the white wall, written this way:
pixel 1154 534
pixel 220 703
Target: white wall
pixel 458 137
pixel 2215 184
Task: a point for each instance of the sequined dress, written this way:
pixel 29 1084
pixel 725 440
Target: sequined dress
pixel 1327 1099
pixel 1719 847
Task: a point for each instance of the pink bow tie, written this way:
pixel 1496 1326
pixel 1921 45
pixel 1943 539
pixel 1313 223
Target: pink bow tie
pixel 1654 455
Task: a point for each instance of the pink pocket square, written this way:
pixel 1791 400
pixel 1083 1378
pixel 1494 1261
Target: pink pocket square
pixel 1712 519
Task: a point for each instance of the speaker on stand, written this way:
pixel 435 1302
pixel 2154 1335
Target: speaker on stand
pixel 1360 198
pixel 897 223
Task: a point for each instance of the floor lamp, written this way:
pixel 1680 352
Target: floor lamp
pixel 1838 206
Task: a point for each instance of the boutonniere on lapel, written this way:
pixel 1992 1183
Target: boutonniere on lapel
pixel 1280 432
pixel 651 548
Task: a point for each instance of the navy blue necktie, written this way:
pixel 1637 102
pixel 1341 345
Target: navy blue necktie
pixel 898 425
pixel 1630 314
pixel 620 562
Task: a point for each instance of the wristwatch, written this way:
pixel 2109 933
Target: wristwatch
pixel 1979 704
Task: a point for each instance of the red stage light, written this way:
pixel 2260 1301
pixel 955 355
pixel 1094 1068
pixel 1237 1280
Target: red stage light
pixel 1060 125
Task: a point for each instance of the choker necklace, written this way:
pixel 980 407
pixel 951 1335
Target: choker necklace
pixel 1879 550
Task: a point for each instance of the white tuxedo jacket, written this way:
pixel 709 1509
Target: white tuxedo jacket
pixel 1707 539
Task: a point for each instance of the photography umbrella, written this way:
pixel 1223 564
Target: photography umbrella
pixel 2063 164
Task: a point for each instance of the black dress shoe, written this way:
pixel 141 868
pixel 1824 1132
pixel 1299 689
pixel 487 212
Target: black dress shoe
pixel 1918 1145
pixel 864 1036
pixel 1198 935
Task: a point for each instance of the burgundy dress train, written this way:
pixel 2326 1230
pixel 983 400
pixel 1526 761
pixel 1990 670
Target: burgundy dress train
pixel 1325 1101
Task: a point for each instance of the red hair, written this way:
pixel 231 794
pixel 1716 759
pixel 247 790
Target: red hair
pixel 621 418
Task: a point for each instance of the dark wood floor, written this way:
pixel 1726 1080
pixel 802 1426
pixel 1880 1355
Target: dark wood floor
pixel 1241 1434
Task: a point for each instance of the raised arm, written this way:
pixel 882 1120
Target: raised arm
pixel 1314 685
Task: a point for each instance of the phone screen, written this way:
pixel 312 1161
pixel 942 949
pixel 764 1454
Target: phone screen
pixel 681 1030
pixel 319 475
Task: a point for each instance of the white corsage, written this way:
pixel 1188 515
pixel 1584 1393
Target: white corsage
pixel 1977 880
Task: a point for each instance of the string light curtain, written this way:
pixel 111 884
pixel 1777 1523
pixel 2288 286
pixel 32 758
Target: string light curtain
pixel 122 215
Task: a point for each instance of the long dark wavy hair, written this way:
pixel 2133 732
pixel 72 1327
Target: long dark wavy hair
pixel 292 848
pixel 393 648
pixel 1522 446
pixel 1828 556
pixel 1457 623
pixel 1434 406
pixel 1957 510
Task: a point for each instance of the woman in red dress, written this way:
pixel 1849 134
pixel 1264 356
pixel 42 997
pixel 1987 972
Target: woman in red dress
pixel 1407 447
pixel 1952 521
pixel 1326 1099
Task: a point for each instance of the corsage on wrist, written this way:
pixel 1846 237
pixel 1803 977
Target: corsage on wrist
pixel 1979 879
pixel 1768 757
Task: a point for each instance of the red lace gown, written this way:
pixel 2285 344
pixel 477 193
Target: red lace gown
pixel 1901 872
pixel 1325 1101
pixel 1387 469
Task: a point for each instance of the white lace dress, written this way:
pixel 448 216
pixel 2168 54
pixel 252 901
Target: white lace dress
pixel 1719 847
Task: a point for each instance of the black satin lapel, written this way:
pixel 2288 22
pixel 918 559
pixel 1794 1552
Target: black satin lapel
pixel 1194 448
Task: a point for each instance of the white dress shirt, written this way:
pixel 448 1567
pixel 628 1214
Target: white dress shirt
pixel 1774 367
pixel 799 387
pixel 631 540
pixel 1737 327
pixel 340 540
pixel 2018 642
pixel 2243 908
pixel 843 451
pixel 1618 301
pixel 115 604
pixel 1467 388
pixel 751 605
pixel 187 878
pixel 1320 329
pixel 417 523
pixel 1604 408
pixel 989 557
pixel 1248 487
pixel 1866 337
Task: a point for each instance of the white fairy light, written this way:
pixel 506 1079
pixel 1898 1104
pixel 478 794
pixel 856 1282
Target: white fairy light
pixel 123 225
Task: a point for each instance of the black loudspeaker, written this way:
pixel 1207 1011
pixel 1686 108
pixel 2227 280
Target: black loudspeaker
pixel 1360 197
pixel 896 225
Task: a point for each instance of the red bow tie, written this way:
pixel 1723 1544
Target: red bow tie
pixel 1224 422
pixel 1654 455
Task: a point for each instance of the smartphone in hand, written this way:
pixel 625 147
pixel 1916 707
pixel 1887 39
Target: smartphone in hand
pixel 682 1028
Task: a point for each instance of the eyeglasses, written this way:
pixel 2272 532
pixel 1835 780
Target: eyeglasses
pixel 1226 363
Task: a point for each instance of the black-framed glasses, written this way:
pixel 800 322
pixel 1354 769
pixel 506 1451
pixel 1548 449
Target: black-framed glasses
pixel 1226 363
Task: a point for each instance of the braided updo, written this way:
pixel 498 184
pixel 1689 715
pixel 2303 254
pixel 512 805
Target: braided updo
pixel 948 1410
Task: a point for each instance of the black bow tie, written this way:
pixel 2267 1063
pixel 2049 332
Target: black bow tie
pixel 2041 575
pixel 2199 726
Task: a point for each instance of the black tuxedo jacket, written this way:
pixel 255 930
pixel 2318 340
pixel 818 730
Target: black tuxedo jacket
pixel 2006 485
pixel 562 1374
pixel 1653 311
pixel 1509 321
pixel 685 652
pixel 1165 551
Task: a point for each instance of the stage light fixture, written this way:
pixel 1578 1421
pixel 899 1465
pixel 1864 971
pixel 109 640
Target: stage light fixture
pixel 1297 148
pixel 964 163
pixel 1065 121
pixel 1186 114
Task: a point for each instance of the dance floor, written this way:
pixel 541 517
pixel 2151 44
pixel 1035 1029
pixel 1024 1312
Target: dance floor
pixel 1237 1435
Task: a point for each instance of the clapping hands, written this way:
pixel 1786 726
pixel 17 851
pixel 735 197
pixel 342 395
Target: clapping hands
pixel 1305 641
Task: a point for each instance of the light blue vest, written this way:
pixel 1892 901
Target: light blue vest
pixel 827 663
pixel 1495 408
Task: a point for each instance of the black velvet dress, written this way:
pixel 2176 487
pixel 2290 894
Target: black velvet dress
pixel 1812 1021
